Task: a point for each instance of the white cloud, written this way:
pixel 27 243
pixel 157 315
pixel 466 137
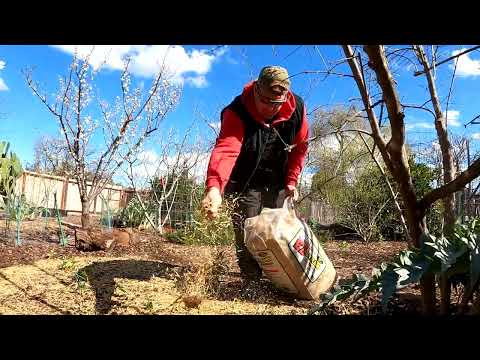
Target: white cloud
pixel 150 164
pixel 466 66
pixel 476 136
pixel 146 165
pixel 198 81
pixel 453 117
pixel 148 157
pixel 147 60
pixel 3 86
pixel 421 125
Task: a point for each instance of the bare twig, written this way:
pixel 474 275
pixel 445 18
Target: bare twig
pixel 419 107
pixel 417 73
pixel 473 121
pixel 292 52
pixel 328 72
pixel 390 188
pixel 450 91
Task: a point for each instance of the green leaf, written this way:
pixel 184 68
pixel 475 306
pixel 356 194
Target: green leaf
pixel 475 265
pixel 403 275
pixel 360 277
pixel 405 257
pixel 376 272
pixel 389 287
pixel 416 271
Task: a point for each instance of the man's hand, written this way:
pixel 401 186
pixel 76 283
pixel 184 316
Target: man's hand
pixel 211 202
pixel 291 190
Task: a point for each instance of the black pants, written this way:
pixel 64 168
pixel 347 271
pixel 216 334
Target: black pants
pixel 250 204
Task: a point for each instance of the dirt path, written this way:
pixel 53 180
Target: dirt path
pixel 42 277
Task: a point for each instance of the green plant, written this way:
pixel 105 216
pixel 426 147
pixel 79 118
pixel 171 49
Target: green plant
pixel 201 231
pixel 180 207
pixel 10 170
pixel 80 278
pixel 67 264
pixel 362 204
pixel 321 234
pixel 148 306
pixel 133 214
pixel 61 236
pixel 14 205
pixel 353 187
pixel 344 245
pixel 457 257
pixel 106 213
pixel 16 209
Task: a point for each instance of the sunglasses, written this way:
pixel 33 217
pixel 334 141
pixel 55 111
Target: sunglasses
pixel 267 100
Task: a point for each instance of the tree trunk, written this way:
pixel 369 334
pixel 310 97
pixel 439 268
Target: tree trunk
pixel 393 152
pixel 86 214
pixel 427 282
pixel 427 286
pixel 448 170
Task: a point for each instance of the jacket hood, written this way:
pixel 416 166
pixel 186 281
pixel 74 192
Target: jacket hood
pixel 284 114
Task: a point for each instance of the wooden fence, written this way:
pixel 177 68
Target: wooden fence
pixel 319 211
pixel 39 191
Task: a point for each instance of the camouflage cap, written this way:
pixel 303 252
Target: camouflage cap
pixel 270 78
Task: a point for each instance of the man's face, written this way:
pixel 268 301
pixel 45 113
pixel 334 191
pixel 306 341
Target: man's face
pixel 263 101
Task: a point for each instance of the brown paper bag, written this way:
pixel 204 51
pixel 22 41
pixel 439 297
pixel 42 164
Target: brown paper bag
pixel 288 252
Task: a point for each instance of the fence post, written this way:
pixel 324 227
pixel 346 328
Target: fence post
pixel 63 200
pixel 121 201
pixel 24 178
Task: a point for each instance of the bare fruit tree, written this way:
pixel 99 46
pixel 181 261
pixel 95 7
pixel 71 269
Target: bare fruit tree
pixel 51 157
pixel 393 150
pixel 164 184
pixel 83 118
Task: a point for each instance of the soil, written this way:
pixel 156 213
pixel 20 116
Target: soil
pixel 42 277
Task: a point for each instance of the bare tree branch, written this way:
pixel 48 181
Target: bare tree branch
pixel 442 134
pixel 419 107
pixel 390 188
pixel 450 91
pixel 417 73
pixel 328 72
pixel 473 121
pixel 366 100
pixel 292 52
pixel 457 184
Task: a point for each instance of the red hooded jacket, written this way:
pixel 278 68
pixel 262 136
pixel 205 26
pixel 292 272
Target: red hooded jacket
pixel 229 141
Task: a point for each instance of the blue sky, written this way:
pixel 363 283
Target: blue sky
pixel 212 79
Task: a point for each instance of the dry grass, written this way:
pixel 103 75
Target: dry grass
pixel 94 285
pixel 154 276
pixel 205 281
